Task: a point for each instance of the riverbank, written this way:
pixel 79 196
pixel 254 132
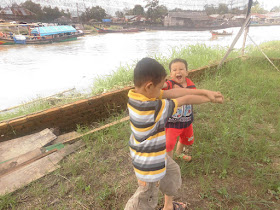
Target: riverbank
pixel 235 155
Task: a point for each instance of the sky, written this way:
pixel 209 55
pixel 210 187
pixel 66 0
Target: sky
pixel 269 4
pixel 111 6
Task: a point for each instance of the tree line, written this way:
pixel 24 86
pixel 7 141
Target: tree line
pixel 152 11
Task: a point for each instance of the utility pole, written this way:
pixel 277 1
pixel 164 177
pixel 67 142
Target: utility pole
pixel 78 12
pixel 247 27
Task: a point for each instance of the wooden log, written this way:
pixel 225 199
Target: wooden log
pixel 35 170
pixel 19 146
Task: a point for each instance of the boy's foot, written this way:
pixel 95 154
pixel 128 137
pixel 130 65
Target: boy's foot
pixel 184 157
pixel 177 206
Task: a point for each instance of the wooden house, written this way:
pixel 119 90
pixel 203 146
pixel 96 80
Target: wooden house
pixel 16 13
pixel 187 19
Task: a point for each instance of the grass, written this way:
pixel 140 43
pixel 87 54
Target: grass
pixel 236 153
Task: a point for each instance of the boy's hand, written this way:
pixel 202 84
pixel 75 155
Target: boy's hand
pixel 219 100
pixel 215 97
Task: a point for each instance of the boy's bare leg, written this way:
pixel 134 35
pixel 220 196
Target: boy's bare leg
pixel 179 148
pixel 168 205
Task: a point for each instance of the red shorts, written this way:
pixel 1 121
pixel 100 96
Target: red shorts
pixel 185 134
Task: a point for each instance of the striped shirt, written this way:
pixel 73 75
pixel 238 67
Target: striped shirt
pixel 147 141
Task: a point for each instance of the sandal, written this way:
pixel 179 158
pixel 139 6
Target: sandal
pixel 183 157
pixel 178 206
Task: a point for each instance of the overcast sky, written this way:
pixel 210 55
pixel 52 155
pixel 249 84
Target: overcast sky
pixel 269 4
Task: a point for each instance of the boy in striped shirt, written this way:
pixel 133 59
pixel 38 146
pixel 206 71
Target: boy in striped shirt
pixel 149 109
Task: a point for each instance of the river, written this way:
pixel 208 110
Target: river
pixel 31 71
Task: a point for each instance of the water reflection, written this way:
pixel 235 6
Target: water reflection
pixel 32 70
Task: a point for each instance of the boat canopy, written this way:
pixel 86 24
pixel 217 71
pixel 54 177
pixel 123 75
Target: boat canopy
pixel 51 30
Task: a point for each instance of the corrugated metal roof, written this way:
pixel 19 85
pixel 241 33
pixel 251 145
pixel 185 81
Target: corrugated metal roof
pixel 52 30
pixel 18 11
pixel 195 15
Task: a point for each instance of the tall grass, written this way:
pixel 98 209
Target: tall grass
pixel 196 55
pixel 271 49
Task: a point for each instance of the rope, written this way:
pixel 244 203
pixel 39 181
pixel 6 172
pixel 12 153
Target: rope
pixel 263 53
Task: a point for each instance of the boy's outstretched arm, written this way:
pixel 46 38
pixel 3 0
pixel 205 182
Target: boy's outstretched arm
pixel 178 92
pixel 197 99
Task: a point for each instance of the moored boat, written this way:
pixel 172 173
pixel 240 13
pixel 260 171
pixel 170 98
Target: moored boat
pixel 43 35
pixel 223 33
pixel 103 30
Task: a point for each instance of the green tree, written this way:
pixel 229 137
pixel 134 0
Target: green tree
pixel 119 14
pixel 33 7
pixel 255 3
pixel 152 4
pixel 128 11
pixel 275 9
pixel 96 13
pixel 138 10
pixel 210 9
pixel 222 9
pixel 155 11
pixel 177 10
pixel 256 8
pixel 51 14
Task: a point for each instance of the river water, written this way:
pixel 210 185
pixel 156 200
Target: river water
pixel 31 71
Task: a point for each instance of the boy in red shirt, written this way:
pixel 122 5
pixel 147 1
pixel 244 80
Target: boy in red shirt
pixel 180 124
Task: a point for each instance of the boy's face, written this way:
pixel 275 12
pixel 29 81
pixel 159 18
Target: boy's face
pixel 178 72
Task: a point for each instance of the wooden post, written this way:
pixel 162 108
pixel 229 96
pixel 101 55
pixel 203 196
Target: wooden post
pixel 245 25
pixel 247 28
pixel 234 41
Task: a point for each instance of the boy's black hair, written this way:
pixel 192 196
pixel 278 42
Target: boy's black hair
pixel 178 60
pixel 148 69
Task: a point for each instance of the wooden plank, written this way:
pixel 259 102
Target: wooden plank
pixel 16 147
pixel 19 160
pixel 35 170
pixel 62 138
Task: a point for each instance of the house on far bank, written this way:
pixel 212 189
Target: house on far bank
pixel 187 19
pixel 273 18
pixel 16 13
pixel 63 20
pixel 257 18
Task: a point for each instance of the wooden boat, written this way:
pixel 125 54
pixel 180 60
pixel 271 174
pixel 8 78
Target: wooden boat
pixel 42 35
pixel 6 41
pixel 103 30
pixel 224 33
